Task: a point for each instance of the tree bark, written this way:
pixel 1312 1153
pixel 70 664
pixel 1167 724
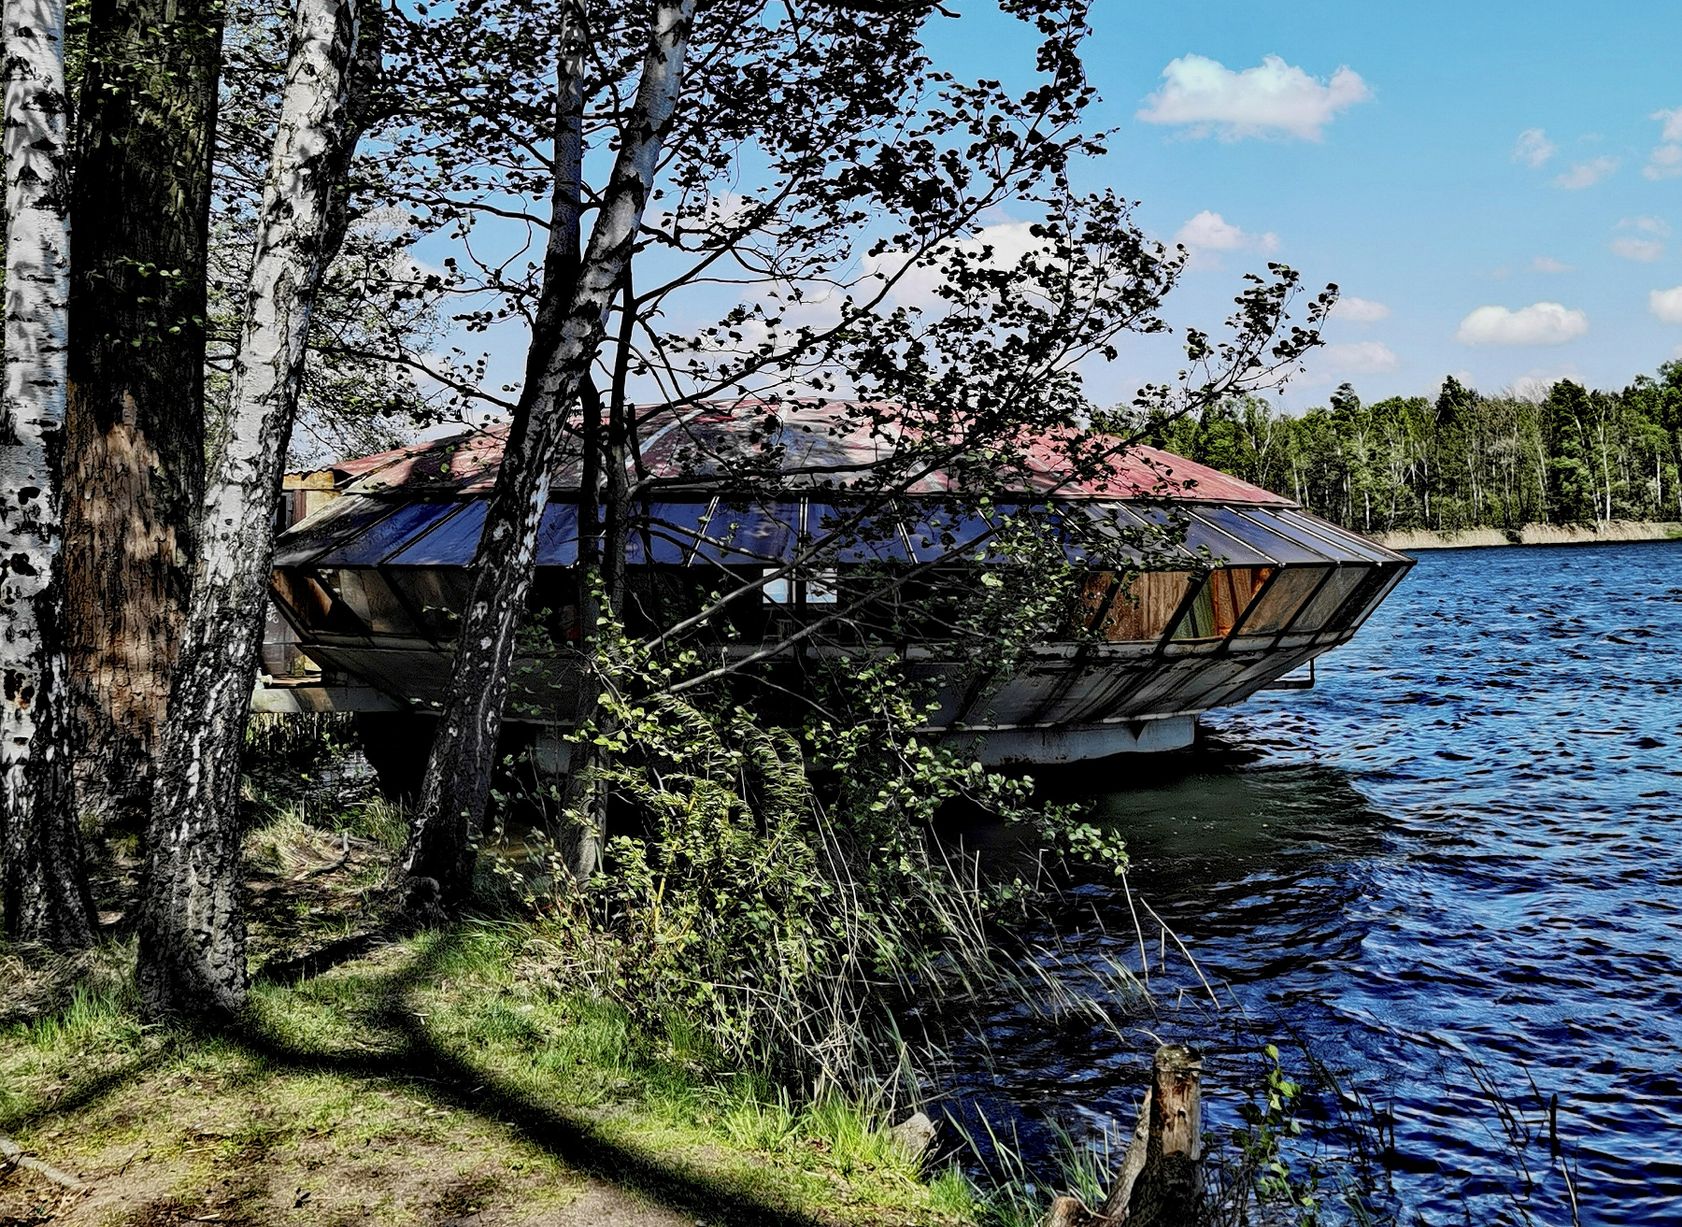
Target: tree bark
pixel 192 931
pixel 134 439
pixel 43 887
pixel 1159 1184
pixel 572 315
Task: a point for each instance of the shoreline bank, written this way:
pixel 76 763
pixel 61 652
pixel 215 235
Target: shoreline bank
pixel 1604 533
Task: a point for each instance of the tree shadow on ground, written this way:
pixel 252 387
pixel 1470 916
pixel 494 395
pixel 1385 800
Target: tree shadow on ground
pixel 408 1055
pixel 416 1057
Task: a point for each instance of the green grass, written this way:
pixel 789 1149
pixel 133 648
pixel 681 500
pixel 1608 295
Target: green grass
pixel 454 1073
pixel 451 1061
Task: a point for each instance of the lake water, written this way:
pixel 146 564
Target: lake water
pixel 1452 871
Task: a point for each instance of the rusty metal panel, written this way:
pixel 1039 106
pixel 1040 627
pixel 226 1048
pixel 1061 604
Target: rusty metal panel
pixel 810 444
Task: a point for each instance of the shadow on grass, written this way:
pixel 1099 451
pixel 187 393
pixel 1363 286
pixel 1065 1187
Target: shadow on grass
pixel 417 1058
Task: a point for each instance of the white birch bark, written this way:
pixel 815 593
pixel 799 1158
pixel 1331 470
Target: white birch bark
pixel 439 859
pixel 192 933
pixel 45 894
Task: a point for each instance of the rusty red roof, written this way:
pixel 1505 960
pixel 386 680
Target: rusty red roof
pixel 813 445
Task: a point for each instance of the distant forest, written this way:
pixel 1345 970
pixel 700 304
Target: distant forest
pixel 1463 460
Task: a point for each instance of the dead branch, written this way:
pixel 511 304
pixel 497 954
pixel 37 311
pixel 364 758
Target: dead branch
pixel 14 1156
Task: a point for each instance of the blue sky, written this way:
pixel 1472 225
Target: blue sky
pixel 1384 147
pixel 1492 185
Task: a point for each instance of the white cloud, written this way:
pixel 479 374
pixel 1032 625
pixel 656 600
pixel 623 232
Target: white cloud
pixel 1360 310
pixel 1547 264
pixel 1210 231
pixel 1656 226
pixel 1543 323
pixel 1533 148
pixel 1643 239
pixel 1643 250
pixel 1360 358
pixel 1666 304
pixel 1272 99
pixel 1535 385
pixel 1004 244
pixel 1208 234
pixel 1587 174
pixel 1665 162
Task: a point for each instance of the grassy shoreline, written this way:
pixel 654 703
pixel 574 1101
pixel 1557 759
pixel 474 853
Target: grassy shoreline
pixel 1604 533
pixel 454 1076
pixel 436 1079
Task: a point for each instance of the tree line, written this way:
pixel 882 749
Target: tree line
pixel 210 210
pixel 1572 456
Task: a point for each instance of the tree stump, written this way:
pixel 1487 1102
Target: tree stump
pixel 1159 1183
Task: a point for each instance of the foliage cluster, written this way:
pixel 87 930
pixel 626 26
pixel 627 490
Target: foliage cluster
pixel 1465 460
pixel 784 889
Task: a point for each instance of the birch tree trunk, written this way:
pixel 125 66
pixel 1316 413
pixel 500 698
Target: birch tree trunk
pixel 44 890
pixel 192 931
pixel 134 449
pixel 572 315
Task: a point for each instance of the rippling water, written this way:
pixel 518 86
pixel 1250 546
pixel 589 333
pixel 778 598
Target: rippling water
pixel 1462 851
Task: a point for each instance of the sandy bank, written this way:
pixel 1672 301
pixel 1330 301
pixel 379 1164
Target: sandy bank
pixel 1533 534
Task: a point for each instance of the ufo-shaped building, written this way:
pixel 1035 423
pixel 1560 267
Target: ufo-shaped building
pixel 810 530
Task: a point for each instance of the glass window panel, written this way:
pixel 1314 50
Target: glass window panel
pixel 1348 545
pixel 1284 597
pixel 1106 533
pixel 1318 613
pixel 1142 610
pixel 754 532
pixel 1036 530
pixel 1199 619
pixel 1360 606
pixel 316 608
pixel 374 543
pixel 1153 538
pixel 947 532
pixel 436 595
pixel 822 588
pixel 557 536
pixel 1231 590
pixel 1202 539
pixel 858 537
pixel 665 533
pixel 1288 549
pixel 371 599
pixel 1091 595
pixel 338 521
pixel 453 542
